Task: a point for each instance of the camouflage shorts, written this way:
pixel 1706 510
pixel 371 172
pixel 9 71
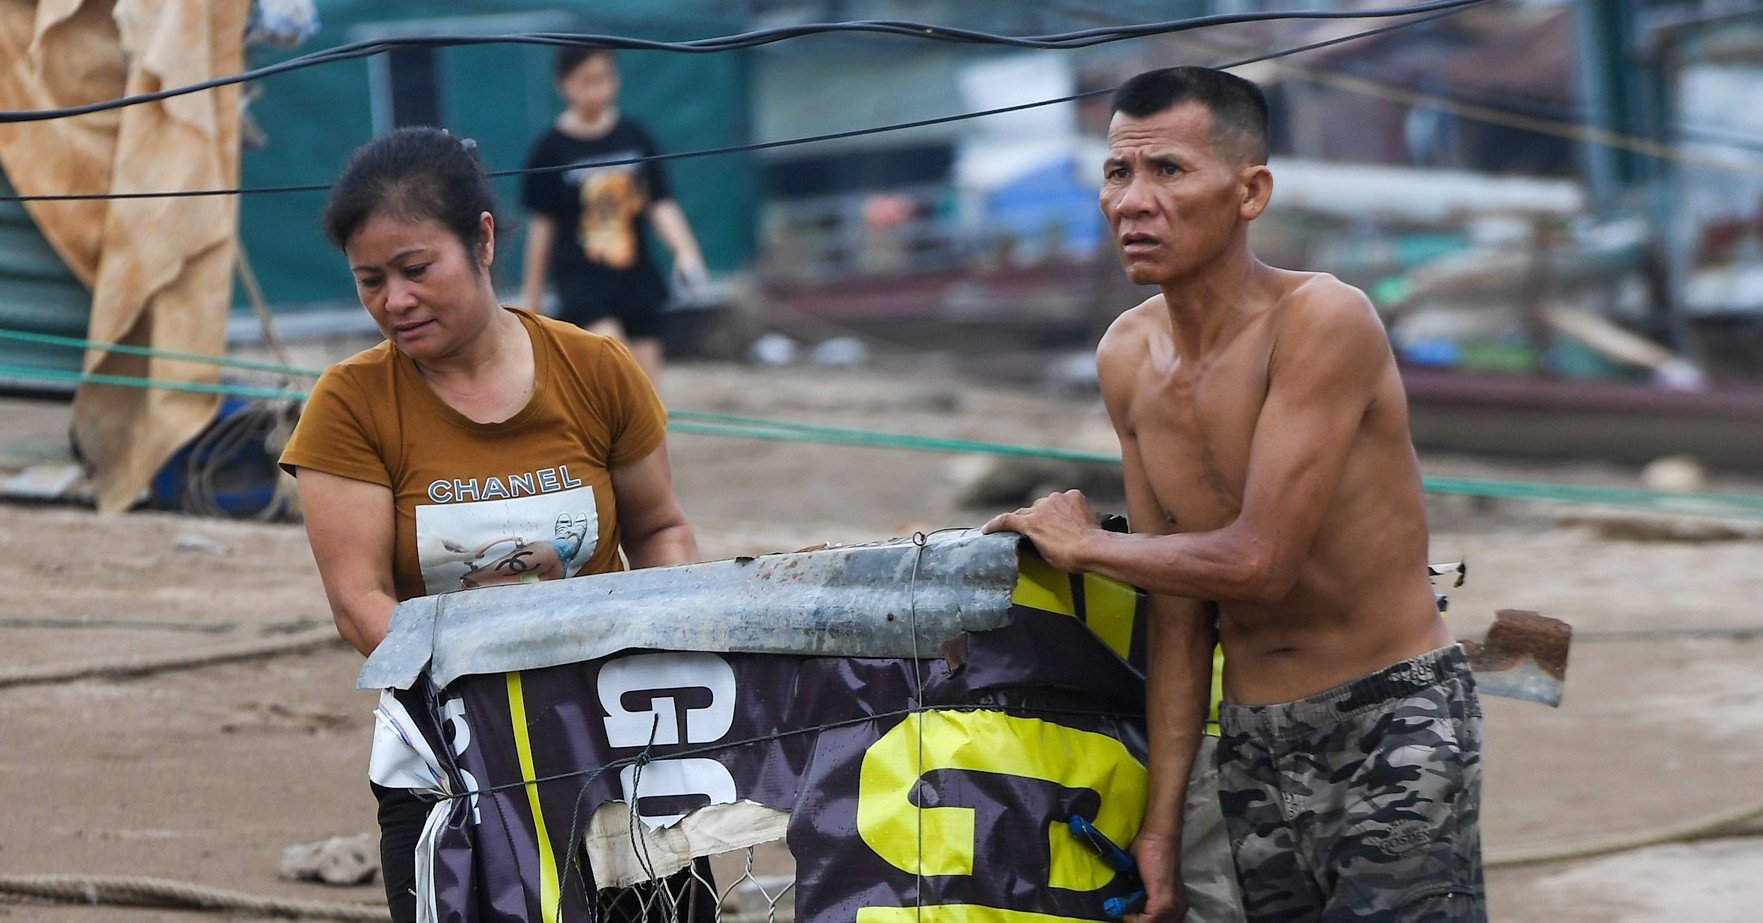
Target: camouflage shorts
pixel 1360 803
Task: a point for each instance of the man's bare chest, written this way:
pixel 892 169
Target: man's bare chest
pixel 1195 439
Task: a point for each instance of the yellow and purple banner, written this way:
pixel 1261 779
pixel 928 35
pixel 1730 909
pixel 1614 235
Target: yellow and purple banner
pixel 928 788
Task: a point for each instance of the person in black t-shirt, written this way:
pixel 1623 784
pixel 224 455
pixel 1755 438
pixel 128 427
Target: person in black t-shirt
pixel 583 230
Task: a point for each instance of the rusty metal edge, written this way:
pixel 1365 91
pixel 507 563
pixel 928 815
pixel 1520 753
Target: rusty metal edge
pixel 854 601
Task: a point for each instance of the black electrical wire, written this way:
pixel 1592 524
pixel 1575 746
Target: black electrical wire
pixel 757 145
pixel 1067 40
pixel 1711 134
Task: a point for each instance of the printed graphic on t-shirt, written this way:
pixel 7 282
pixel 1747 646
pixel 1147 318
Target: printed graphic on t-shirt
pixel 612 199
pixel 479 543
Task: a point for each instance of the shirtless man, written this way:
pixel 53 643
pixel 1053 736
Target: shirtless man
pixel 1275 503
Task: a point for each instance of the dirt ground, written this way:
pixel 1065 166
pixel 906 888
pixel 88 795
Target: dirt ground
pixel 206 774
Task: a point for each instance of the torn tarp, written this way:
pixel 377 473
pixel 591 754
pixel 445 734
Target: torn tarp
pixel 941 780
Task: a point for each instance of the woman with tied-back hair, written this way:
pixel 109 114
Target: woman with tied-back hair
pixel 470 423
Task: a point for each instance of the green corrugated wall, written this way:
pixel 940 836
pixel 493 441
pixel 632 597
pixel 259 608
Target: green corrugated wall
pixel 502 96
pixel 38 294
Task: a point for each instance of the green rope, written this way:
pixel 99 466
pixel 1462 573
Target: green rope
pixel 1694 504
pixel 717 424
pixel 125 381
pixel 49 339
pixel 692 422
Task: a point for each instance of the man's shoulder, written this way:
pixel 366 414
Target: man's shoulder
pixel 1129 331
pixel 1317 302
pixel 1122 351
pixel 1327 330
pixel 1321 291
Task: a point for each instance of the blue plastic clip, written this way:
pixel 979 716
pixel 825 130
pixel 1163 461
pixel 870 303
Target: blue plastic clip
pixel 1117 859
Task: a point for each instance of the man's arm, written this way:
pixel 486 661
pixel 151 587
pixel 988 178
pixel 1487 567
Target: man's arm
pixel 1322 377
pixel 350 526
pixel 1178 678
pixel 541 235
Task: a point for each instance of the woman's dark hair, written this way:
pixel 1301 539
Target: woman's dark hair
pixel 412 174
pixel 570 57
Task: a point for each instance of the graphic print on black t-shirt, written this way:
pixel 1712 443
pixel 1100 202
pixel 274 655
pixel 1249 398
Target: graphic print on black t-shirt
pixel 600 260
pixel 612 200
pixel 598 198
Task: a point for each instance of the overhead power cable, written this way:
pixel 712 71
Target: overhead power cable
pixel 1505 109
pixel 1066 40
pixel 762 145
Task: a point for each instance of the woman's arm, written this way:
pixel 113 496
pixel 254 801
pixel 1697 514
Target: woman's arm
pixel 350 526
pixel 541 234
pixel 656 533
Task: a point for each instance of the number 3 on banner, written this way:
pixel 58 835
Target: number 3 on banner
pixel 991 742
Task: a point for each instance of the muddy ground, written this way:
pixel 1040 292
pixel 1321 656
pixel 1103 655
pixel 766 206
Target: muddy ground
pixel 206 774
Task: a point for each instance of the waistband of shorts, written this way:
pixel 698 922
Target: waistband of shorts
pixel 1391 684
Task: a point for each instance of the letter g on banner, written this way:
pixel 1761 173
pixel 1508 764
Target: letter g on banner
pixel 666 699
pixel 661 680
pixel 991 742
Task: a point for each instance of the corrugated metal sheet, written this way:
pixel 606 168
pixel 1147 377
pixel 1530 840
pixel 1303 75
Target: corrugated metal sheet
pixel 38 294
pixel 858 601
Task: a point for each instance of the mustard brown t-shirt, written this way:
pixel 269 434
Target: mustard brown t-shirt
pixel 478 504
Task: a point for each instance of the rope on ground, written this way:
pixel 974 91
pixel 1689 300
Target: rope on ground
pixel 138 891
pixel 181 660
pixel 1700 829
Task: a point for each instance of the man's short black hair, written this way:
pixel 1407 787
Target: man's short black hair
pixel 570 57
pixel 1239 110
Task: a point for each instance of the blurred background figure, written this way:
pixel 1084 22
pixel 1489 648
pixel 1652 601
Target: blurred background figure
pixel 583 230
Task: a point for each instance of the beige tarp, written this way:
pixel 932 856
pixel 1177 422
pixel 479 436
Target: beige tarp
pixel 160 269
